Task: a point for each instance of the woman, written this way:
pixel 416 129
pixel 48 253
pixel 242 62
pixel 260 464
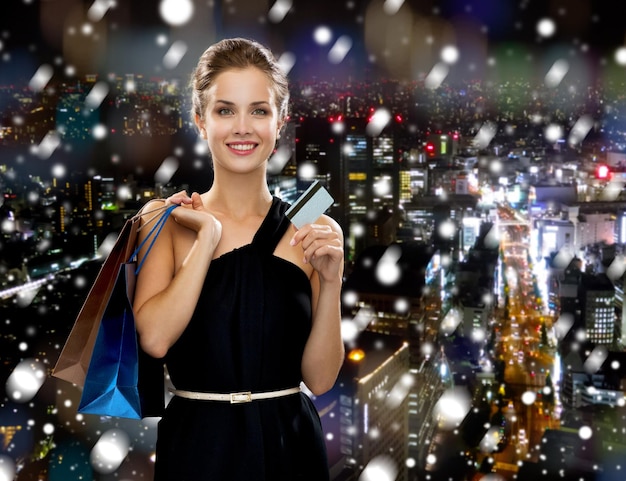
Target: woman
pixel 239 303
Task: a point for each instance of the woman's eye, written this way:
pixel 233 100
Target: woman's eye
pixel 259 112
pixel 224 111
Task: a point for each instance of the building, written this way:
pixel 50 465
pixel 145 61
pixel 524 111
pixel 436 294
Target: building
pixel 547 198
pixel 574 230
pixel 449 221
pixel 365 415
pixel 564 272
pixel 553 235
pixel 590 301
pixel 597 296
pixel 388 283
pixel 398 307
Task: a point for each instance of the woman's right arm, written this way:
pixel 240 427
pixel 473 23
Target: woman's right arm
pixel 168 288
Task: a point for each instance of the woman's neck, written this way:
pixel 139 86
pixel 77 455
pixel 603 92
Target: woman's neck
pixel 240 197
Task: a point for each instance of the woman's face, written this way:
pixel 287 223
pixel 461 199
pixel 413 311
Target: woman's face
pixel 241 121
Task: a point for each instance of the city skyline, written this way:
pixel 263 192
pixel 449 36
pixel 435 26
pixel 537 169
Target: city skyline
pixel 385 298
pixel 560 46
pixel 154 114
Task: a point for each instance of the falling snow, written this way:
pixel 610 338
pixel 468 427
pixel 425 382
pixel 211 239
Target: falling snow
pixel 77 68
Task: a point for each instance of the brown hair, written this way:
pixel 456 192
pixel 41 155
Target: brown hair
pixel 236 53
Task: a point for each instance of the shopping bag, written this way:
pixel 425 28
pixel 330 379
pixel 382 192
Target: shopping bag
pixel 89 351
pixel 111 382
pixel 75 356
pixel 74 359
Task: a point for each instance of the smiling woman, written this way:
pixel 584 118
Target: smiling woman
pixel 242 307
pixel 241 120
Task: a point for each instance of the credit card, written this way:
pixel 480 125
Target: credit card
pixel 310 205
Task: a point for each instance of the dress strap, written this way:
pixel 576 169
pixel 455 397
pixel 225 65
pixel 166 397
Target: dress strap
pixel 273 227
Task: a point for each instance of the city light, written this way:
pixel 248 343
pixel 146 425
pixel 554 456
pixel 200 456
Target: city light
pixel 603 171
pixel 356 355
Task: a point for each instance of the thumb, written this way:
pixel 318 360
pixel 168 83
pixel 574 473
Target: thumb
pixel 196 201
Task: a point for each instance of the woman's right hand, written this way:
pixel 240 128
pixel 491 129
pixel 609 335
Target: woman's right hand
pixel 171 280
pixel 195 216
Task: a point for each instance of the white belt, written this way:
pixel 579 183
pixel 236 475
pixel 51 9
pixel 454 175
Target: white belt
pixel 235 397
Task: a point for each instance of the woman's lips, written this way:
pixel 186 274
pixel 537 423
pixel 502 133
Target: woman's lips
pixel 242 147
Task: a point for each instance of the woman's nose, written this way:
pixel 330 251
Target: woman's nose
pixel 242 125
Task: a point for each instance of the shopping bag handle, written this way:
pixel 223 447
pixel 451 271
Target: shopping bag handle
pixel 153 234
pixel 143 213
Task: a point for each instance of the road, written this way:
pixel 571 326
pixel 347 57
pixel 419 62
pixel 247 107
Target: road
pixel 525 348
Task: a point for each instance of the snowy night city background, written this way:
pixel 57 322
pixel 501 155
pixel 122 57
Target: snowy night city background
pixel 476 152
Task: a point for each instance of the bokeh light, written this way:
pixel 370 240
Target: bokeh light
pixel 322 35
pixel 452 407
pixel 307 170
pixel 391 7
pixel 447 229
pixel 388 271
pixel 450 54
pixel 340 49
pixel 98 9
pixel 620 56
pixel 279 10
pixel 175 54
pixel 553 132
pixel 59 171
pixel 585 432
pixel 380 468
pixel 7 468
pixel 100 131
pixel 109 451
pixel 546 27
pixel 378 122
pixel 41 78
pixel 176 12
pixel 436 76
pixel 557 72
pixel 529 397
pixel 596 359
pixel 166 170
pixel 25 381
pixel 286 61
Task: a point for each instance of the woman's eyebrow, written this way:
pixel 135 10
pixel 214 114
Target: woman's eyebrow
pixel 254 104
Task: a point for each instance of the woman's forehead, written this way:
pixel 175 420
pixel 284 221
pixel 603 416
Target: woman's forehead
pixel 242 82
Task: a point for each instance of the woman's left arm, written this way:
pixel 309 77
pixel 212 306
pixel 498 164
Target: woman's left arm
pixel 322 245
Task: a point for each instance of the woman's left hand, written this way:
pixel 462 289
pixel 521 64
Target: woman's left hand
pixel 323 249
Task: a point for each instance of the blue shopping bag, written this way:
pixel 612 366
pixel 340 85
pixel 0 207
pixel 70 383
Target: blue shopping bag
pixel 111 385
pixel 122 380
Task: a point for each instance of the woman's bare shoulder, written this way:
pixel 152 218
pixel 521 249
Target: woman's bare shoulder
pixel 332 223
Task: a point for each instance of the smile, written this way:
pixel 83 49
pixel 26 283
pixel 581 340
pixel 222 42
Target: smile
pixel 242 147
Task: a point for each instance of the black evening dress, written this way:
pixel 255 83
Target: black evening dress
pixel 247 334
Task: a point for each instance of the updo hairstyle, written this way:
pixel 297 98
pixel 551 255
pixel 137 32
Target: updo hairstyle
pixel 237 53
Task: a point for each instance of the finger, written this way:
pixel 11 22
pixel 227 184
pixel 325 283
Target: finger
pixel 321 247
pixel 299 234
pixel 313 233
pixel 178 198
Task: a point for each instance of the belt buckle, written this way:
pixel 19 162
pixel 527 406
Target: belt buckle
pixel 240 397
